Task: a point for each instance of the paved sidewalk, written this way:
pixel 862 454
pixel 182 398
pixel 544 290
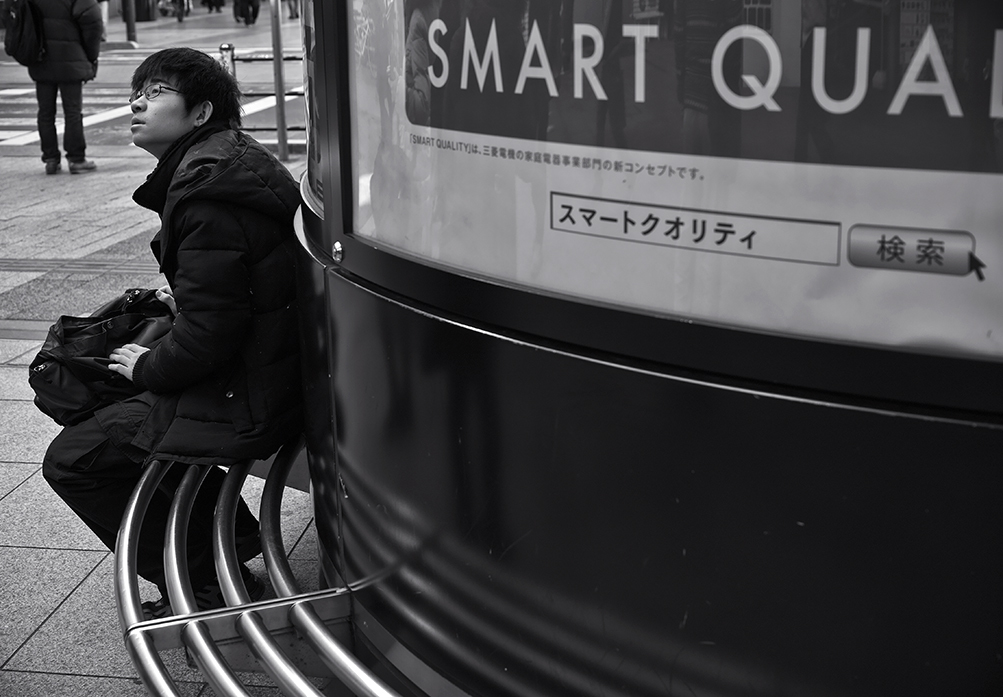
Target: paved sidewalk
pixel 67 244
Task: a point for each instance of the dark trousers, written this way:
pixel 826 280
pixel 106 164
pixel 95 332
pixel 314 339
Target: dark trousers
pixel 247 10
pixel 96 478
pixel 73 118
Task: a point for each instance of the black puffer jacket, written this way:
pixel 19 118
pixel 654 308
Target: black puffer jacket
pixel 72 41
pixel 227 248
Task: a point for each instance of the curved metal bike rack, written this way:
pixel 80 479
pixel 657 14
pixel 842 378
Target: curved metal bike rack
pixel 244 636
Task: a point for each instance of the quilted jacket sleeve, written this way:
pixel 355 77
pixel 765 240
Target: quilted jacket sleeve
pixel 213 293
pixel 87 15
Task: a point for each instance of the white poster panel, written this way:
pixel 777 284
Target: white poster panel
pixel 816 168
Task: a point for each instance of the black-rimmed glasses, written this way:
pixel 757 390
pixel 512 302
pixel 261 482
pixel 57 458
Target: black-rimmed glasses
pixel 151 91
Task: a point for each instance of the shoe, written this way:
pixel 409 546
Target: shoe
pixel 52 166
pixel 82 166
pixel 209 597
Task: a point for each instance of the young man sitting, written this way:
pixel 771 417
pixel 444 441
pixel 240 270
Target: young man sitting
pixel 224 385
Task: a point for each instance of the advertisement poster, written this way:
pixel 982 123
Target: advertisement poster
pixel 830 169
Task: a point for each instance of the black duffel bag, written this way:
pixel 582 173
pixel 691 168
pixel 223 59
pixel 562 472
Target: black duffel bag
pixel 70 374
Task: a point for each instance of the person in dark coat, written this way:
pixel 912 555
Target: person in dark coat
pixel 487 110
pixel 72 30
pixel 224 384
pixel 246 11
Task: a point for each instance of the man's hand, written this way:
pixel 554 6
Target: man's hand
pixel 166 296
pixel 123 360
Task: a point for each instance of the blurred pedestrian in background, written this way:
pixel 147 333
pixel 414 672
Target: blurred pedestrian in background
pixel 246 11
pixel 182 8
pixel 72 31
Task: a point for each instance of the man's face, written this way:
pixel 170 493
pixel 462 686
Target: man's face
pixel 160 119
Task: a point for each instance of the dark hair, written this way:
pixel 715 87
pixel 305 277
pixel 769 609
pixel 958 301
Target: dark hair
pixel 198 77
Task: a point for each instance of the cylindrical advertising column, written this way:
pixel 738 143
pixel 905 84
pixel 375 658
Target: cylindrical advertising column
pixel 662 343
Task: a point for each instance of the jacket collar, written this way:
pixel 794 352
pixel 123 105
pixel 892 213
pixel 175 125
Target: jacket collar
pixel 152 194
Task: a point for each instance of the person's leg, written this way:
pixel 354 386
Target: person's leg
pixel 45 95
pixel 73 137
pixel 201 566
pixel 96 479
pixel 103 4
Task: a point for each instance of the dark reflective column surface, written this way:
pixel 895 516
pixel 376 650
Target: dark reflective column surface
pixel 533 523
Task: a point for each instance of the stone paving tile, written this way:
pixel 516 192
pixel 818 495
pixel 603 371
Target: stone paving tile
pixel 89 618
pixel 70 293
pixel 297 510
pixel 306 548
pixel 33 684
pixel 47 216
pixel 13 475
pixel 82 636
pixel 307 574
pixel 11 349
pixel 36 581
pixel 12 279
pixel 134 248
pixel 25 432
pixel 32 515
pixel 23 360
pixel 14 384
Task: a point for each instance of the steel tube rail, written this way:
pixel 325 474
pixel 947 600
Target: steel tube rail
pixel 203 651
pixel 345 666
pixel 151 669
pixel 286 675
pixel 224 538
pixel 227 57
pixel 195 636
pixel 130 610
pixel 272 548
pixel 343 663
pixel 280 88
pixel 179 589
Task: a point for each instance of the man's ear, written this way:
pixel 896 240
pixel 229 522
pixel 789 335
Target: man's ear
pixel 203 112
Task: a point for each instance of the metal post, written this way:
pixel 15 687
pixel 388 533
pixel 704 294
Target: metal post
pixel 280 85
pixel 129 15
pixel 226 57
